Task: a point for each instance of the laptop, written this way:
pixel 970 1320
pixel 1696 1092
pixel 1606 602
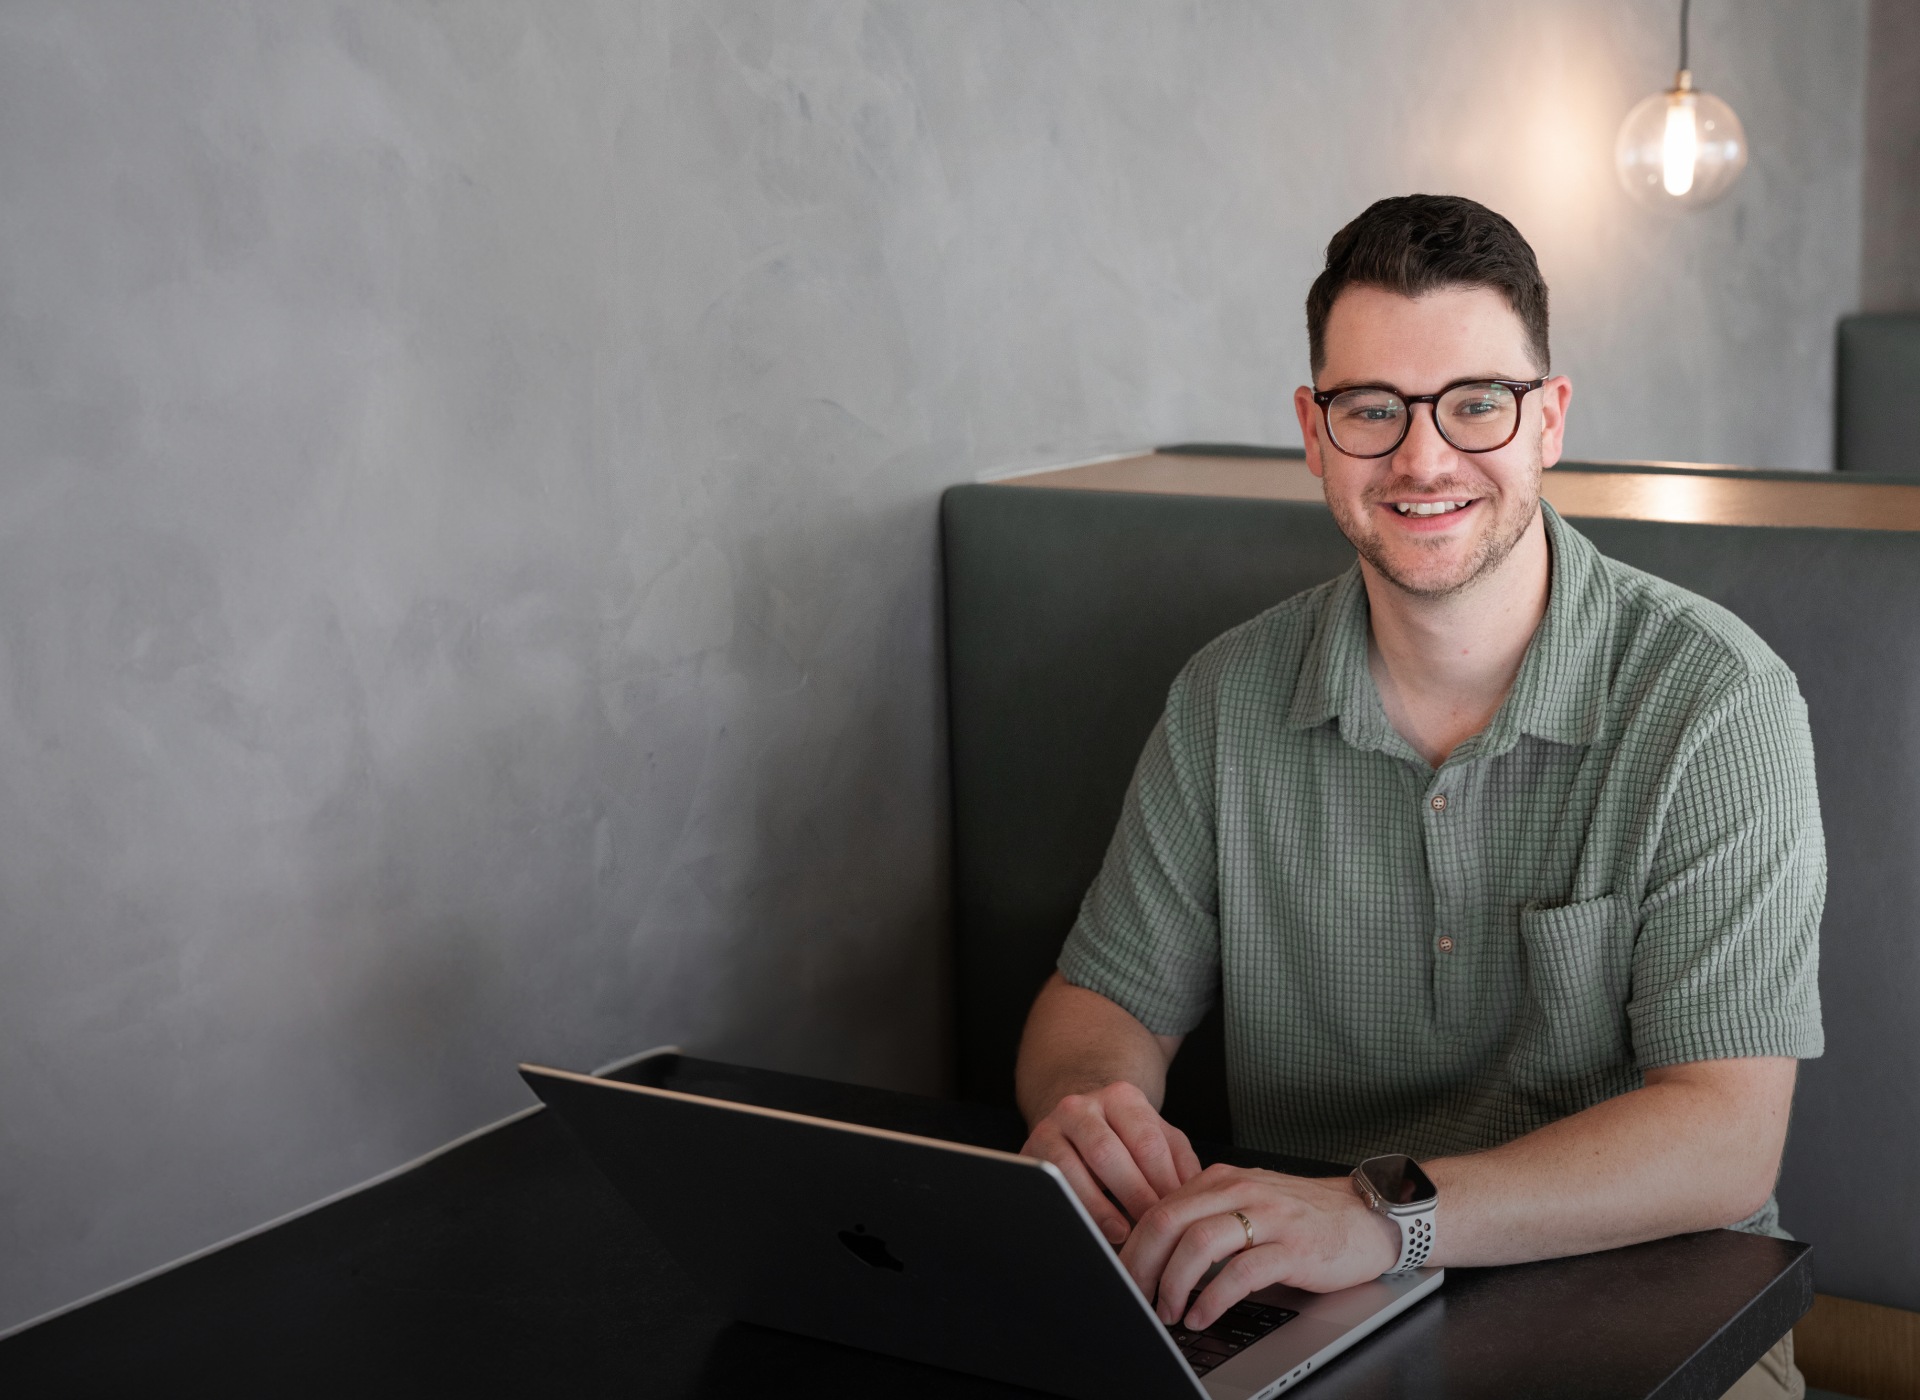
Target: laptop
pixel 939 1252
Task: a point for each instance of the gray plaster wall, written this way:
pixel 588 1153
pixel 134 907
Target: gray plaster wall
pixel 1890 239
pixel 468 586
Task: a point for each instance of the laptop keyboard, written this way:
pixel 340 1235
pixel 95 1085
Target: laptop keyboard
pixel 1236 1329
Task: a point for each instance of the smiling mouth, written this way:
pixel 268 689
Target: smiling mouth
pixel 1429 507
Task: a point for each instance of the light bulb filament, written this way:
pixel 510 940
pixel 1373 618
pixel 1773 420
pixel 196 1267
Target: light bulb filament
pixel 1680 148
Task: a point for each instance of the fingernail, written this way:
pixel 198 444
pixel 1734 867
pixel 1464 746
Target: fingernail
pixel 1116 1233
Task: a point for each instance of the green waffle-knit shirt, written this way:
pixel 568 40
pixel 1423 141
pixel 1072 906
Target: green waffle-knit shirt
pixel 1624 870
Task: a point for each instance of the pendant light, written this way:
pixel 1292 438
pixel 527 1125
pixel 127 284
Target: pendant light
pixel 1682 148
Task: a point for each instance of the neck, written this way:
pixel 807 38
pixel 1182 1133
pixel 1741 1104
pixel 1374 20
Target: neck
pixel 1443 666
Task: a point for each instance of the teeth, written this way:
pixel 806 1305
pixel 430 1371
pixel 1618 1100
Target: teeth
pixel 1427 507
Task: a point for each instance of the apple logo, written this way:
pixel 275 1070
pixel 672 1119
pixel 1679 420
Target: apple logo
pixel 870 1249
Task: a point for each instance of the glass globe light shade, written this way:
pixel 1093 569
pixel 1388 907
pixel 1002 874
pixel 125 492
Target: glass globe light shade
pixel 1681 149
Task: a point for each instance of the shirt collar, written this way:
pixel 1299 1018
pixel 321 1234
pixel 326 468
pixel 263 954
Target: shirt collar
pixel 1558 695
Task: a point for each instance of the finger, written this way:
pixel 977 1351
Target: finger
pixel 1205 1244
pixel 1110 1162
pixel 1185 1162
pixel 1248 1270
pixel 1146 1135
pixel 1159 1231
pixel 1058 1151
pixel 1106 1216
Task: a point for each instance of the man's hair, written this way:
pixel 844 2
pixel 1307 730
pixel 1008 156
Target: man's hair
pixel 1413 244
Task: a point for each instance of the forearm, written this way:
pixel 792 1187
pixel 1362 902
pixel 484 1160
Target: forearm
pixel 1698 1147
pixel 1077 1041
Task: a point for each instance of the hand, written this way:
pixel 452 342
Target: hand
pixel 1114 1138
pixel 1310 1233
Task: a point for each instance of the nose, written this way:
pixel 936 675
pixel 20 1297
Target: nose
pixel 1423 452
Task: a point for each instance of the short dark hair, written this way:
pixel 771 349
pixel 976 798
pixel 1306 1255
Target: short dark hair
pixel 1418 243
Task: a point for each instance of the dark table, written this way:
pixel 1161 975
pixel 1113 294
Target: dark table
pixel 508 1266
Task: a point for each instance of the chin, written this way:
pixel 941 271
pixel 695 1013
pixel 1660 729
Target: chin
pixel 1433 572
pixel 1428 583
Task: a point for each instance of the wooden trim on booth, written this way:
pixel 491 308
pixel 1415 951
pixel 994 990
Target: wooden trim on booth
pixel 1688 497
pixel 1859 1349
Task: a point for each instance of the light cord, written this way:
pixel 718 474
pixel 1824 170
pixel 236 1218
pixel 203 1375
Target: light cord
pixel 1685 5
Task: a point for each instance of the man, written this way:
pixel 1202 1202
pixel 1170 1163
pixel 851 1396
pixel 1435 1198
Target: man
pixel 1496 852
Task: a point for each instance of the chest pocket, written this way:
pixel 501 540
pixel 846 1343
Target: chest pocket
pixel 1573 1044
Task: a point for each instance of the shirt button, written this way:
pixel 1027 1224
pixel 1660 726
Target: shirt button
pixel 1446 945
pixel 1438 802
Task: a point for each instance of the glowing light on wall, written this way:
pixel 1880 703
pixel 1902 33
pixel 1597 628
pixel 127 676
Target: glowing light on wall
pixel 1681 148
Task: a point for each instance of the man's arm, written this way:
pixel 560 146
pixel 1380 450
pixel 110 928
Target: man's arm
pixel 1090 1080
pixel 1697 1147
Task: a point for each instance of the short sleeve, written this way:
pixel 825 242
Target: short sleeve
pixel 1727 958
pixel 1148 934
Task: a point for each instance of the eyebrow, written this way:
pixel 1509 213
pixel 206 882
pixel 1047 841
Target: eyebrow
pixel 1344 385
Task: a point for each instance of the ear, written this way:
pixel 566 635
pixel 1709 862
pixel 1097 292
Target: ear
pixel 1308 412
pixel 1555 395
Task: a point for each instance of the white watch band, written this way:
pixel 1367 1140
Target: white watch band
pixel 1414 1218
pixel 1416 1241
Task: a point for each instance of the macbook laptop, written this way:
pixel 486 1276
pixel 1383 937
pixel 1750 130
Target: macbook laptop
pixel 954 1255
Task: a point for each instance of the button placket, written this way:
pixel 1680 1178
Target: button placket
pixel 1448 844
pixel 1437 803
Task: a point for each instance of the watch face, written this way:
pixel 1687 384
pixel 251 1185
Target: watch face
pixel 1399 1180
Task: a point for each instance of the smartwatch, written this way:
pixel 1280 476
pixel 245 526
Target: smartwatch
pixel 1394 1186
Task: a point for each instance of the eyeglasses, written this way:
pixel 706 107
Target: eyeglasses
pixel 1474 415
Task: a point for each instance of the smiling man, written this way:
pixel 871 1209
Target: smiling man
pixel 1502 858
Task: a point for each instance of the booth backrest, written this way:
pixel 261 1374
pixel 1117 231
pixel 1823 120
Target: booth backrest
pixel 1070 611
pixel 1877 394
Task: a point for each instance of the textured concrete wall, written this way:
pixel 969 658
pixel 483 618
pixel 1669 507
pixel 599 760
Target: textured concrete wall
pixel 1890 241
pixel 467 475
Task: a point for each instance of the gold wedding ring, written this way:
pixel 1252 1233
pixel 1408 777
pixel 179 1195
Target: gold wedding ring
pixel 1245 1224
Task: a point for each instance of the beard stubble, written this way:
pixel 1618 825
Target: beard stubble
pixel 1490 551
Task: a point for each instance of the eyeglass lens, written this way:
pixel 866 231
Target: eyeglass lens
pixel 1473 417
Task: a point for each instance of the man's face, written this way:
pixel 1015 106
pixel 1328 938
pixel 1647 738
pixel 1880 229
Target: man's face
pixel 1419 346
